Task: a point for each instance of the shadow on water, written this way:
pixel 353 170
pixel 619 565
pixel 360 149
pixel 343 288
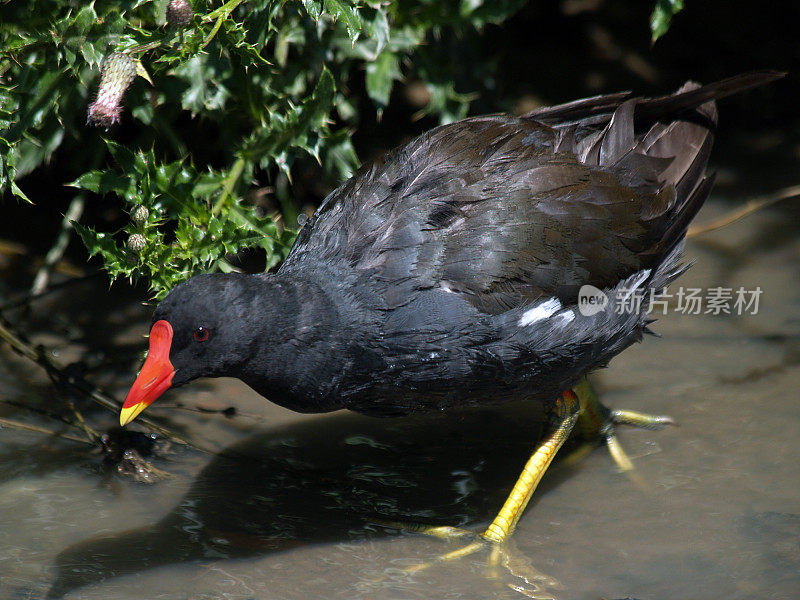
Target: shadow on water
pixel 321 482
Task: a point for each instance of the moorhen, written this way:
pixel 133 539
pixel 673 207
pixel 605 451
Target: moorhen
pixel 449 274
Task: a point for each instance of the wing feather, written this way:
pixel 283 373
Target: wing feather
pixel 505 210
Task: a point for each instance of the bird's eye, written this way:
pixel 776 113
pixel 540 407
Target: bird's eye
pixel 201 334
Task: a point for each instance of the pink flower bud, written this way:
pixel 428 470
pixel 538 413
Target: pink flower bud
pixel 116 74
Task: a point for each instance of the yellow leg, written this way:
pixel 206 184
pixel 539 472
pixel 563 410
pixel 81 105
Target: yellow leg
pixel 566 411
pixel 579 405
pixel 594 416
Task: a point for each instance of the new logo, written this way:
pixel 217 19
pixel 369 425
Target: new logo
pixel 591 300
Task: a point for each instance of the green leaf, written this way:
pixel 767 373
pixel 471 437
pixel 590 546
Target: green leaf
pixel 347 13
pixel 84 19
pixel 19 193
pixel 292 130
pixel 314 109
pixel 445 101
pixel 204 92
pixel 97 243
pixel 379 29
pixel 661 18
pixel 340 157
pixel 103 182
pixel 381 75
pixel 314 8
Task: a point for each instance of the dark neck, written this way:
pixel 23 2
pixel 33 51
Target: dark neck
pixel 299 331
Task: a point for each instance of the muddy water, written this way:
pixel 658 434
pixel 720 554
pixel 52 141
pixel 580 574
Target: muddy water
pixel 291 508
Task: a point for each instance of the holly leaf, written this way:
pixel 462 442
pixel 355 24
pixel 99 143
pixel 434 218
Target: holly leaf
pixel 348 14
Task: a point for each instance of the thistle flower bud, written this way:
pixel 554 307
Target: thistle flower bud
pixel 140 214
pixel 116 74
pixel 136 243
pixel 179 13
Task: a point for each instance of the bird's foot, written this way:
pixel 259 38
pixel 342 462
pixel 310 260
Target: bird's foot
pixel 596 421
pixel 476 541
pixel 528 580
pixel 443 532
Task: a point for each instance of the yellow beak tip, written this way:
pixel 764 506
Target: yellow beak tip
pixel 126 415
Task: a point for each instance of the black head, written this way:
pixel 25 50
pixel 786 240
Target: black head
pixel 211 331
pixel 203 328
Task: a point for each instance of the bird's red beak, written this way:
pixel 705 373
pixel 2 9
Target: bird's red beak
pixel 154 378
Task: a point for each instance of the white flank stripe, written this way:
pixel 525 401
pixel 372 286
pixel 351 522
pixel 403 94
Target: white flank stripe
pixel 540 312
pixel 567 316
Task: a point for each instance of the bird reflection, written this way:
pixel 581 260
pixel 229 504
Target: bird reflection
pixel 327 481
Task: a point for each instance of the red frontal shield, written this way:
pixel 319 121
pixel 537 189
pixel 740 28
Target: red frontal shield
pixel 154 378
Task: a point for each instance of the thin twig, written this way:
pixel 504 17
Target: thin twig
pixel 40 411
pixel 28 427
pixel 748 209
pixel 56 253
pixel 91 434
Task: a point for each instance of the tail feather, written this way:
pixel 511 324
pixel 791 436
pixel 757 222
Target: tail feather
pixel 649 110
pixel 578 110
pixel 658 146
pixel 653 109
pixel 619 136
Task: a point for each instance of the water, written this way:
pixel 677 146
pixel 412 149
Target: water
pixel 289 512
